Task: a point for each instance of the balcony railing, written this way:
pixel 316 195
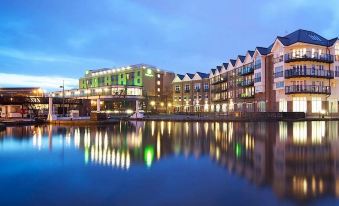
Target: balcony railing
pixel 309 89
pixel 177 91
pixel 246 70
pixel 197 90
pixel 309 56
pixel 246 83
pixel 309 72
pixel 246 95
pixel 187 91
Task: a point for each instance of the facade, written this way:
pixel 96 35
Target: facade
pixel 118 89
pixel 297 73
pixel 191 92
pixel 17 110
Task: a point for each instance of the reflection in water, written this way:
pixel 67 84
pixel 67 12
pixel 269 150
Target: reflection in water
pixel 297 159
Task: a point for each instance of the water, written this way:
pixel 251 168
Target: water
pixel 168 163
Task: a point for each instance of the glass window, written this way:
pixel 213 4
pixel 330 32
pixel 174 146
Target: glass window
pixel 299 104
pixel 197 86
pixel 333 106
pixel 279 85
pixel 282 105
pixel 177 88
pixel 316 104
pixel 206 85
pixel 187 87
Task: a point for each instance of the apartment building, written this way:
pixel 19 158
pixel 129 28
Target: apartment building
pixel 117 89
pixel 191 92
pixel 298 72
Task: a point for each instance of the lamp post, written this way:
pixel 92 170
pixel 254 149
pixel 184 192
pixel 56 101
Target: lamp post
pixel 63 97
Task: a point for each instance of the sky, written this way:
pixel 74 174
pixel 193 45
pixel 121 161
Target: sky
pixel 43 42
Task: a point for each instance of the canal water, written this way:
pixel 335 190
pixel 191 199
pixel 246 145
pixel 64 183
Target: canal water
pixel 171 163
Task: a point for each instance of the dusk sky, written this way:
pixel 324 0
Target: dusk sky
pixel 45 41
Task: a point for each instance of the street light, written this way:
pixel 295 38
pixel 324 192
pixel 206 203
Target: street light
pixel 63 97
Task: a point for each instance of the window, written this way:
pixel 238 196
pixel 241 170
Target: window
pixel 333 106
pixel 278 72
pixel 138 80
pixel 257 77
pixel 197 86
pixel 206 86
pixel 257 63
pixel 299 104
pixel 122 76
pixel 279 85
pixel 187 87
pixel 158 82
pixel 337 71
pixel 138 73
pixel 316 104
pixel 282 105
pixel 158 89
pixel 177 88
pixel 261 106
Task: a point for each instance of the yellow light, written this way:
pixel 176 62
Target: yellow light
pixel 169 104
pixel 129 111
pixel 323 111
pixel 162 104
pixel 152 103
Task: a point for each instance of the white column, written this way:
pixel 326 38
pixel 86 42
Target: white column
pixel 137 106
pixel 51 115
pixel 98 105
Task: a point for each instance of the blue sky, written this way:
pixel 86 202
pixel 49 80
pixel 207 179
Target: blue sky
pixel 45 41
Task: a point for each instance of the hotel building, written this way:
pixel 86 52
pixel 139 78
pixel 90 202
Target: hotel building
pixel 118 89
pixel 191 92
pixel 297 73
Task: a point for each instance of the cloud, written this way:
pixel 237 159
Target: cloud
pixel 39 57
pixel 48 83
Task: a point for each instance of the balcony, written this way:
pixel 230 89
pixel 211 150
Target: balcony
pixel 246 70
pixel 308 72
pixel 177 91
pixel 307 89
pixel 187 91
pixel 308 56
pixel 246 96
pixel 246 83
pixel 197 90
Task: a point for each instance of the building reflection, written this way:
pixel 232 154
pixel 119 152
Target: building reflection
pixel 297 159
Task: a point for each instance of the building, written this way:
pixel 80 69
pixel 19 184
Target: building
pixel 298 72
pixel 17 110
pixel 191 92
pixel 118 89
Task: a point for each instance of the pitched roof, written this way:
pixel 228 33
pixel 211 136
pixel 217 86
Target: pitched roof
pixel 233 61
pixel 304 36
pixel 263 50
pixel 203 75
pixel 219 68
pixel 225 65
pixel 180 76
pixel 213 71
pixel 190 75
pixel 250 53
pixel 242 58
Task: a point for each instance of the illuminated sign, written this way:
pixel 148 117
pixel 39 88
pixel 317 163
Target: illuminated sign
pixel 149 73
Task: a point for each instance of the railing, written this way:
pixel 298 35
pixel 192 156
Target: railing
pixel 309 72
pixel 246 71
pixel 279 74
pixel 246 83
pixel 258 79
pixel 187 91
pixel 309 56
pixel 246 95
pixel 311 89
pixel 177 91
pixel 197 90
pixel 206 90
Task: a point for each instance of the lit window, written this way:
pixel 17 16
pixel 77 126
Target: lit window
pixel 158 89
pixel 282 105
pixel 158 76
pixel 316 104
pixel 299 104
pixel 158 82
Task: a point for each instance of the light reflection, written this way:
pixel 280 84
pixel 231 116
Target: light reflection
pixel 300 156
